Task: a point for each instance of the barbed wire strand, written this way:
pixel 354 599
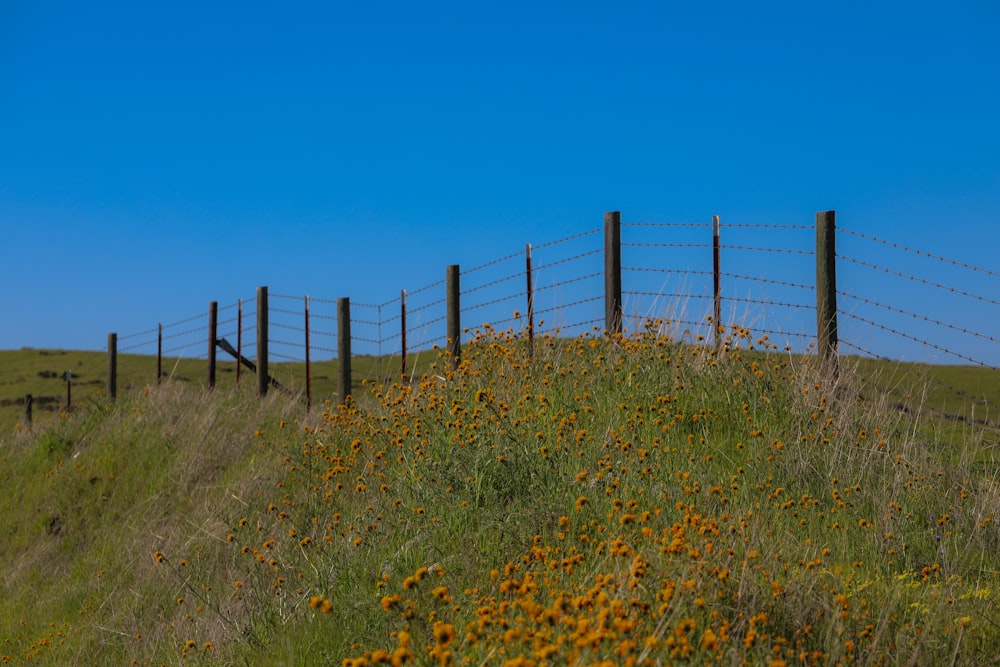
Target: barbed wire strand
pixel 666 224
pixel 919 340
pixel 666 245
pixel 503 299
pixel 919 317
pixel 900 246
pixel 767 281
pixel 790 251
pixel 566 282
pixel 492 283
pixel 919 280
pixel 574 237
pixel 493 263
pixel 567 260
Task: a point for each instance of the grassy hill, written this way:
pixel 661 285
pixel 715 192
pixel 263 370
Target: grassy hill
pixel 42 374
pixel 603 501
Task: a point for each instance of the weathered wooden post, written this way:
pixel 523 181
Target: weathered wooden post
pixel 239 339
pixel 69 391
pixel 402 333
pixel 454 314
pixel 717 283
pixel 113 365
pixel 213 325
pixel 531 302
pixel 613 272
pixel 826 292
pixel 343 348
pixel 159 352
pixel 28 400
pixel 262 333
pixel 308 371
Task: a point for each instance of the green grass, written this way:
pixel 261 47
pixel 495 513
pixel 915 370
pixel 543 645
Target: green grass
pixel 42 374
pixel 601 500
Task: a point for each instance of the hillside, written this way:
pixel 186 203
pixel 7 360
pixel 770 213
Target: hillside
pixel 630 501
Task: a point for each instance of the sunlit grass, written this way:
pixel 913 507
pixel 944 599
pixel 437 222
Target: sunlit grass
pixel 601 501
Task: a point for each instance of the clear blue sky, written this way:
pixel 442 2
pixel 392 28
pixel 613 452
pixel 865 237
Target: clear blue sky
pixel 156 156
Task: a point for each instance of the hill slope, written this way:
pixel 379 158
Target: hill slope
pixel 632 501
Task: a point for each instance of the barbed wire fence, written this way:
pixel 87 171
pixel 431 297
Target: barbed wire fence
pixel 948 309
pixel 763 289
pixel 675 267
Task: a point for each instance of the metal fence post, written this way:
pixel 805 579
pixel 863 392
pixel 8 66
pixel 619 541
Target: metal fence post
pixel 531 302
pixel 717 283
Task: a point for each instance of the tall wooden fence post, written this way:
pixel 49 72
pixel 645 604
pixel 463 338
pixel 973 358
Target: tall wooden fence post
pixel 308 370
pixel 343 349
pixel 239 339
pixel 213 330
pixel 113 365
pixel 402 334
pixel 531 302
pixel 613 313
pixel 454 314
pixel 262 333
pixel 826 291
pixel 717 283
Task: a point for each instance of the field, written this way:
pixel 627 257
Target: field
pixel 601 501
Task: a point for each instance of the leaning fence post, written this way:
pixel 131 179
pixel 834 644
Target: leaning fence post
pixel 262 324
pixel 613 272
pixel 454 314
pixel 826 291
pixel 112 365
pixel 717 283
pixel 343 348
pixel 213 324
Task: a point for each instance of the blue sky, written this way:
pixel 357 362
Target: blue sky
pixel 157 156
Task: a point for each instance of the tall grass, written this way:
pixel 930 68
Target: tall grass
pixel 601 501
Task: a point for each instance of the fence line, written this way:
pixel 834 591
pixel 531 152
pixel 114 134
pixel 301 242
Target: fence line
pixel 555 294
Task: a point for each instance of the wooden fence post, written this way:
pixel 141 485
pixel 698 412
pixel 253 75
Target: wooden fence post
pixel 308 371
pixel 531 302
pixel 717 283
pixel 262 333
pixel 826 292
pixel 454 314
pixel 213 325
pixel 239 339
pixel 343 348
pixel 159 352
pixel 113 365
pixel 613 272
pixel 28 400
pixel 69 391
pixel 402 334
